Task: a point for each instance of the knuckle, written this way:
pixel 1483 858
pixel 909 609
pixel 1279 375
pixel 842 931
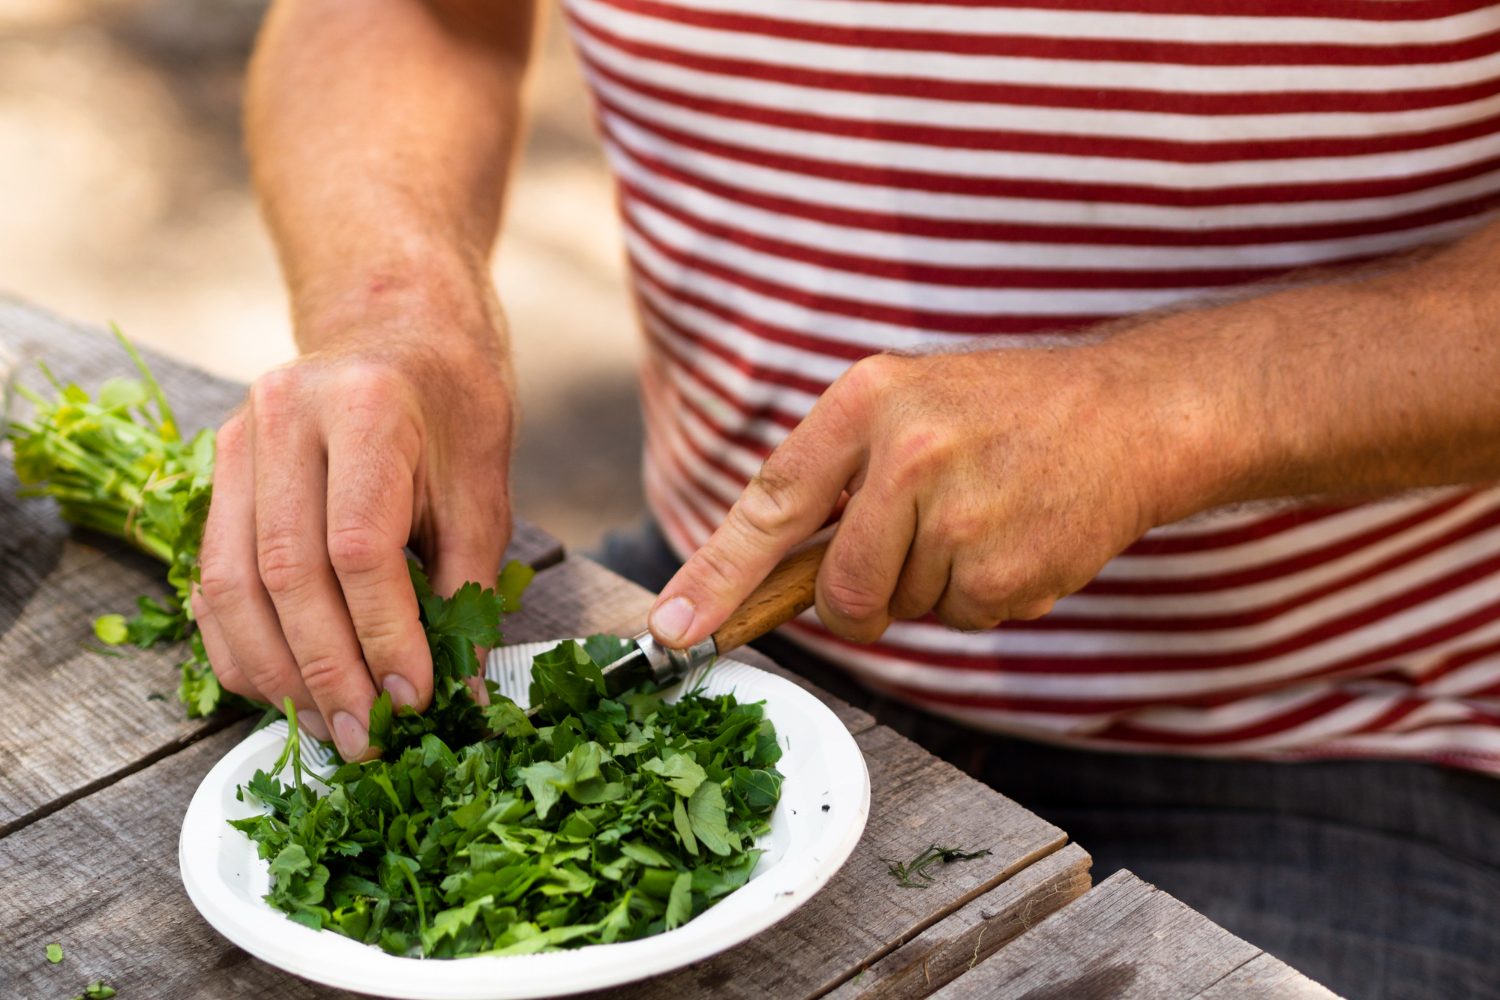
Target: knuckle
pixel 234 681
pixel 273 391
pixel 322 673
pixel 284 565
pixel 961 527
pixel 994 589
pixel 370 387
pixel 269 676
pixel 218 583
pixel 716 569
pixel 765 508
pixel 852 601
pixel 918 452
pixel 357 549
pixel 870 377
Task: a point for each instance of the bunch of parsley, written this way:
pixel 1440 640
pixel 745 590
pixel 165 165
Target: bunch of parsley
pixel 116 462
pixel 607 820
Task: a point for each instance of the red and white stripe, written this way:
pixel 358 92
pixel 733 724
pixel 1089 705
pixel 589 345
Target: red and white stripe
pixel 806 182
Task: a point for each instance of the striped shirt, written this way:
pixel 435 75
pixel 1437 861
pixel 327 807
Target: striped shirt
pixel 807 182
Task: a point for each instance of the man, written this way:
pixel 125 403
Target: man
pixel 810 187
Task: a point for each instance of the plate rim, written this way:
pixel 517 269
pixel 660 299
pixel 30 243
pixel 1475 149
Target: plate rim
pixel 219 909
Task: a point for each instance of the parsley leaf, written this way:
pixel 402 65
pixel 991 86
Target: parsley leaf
pixel 599 823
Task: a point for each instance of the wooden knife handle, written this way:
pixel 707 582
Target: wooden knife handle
pixel 782 596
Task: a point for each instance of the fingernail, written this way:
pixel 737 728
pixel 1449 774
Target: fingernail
pixel 350 735
pixel 310 720
pixel 400 689
pixel 671 621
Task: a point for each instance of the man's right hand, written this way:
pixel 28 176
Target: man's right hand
pixel 331 466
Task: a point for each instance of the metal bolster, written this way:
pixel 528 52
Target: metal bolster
pixel 669 665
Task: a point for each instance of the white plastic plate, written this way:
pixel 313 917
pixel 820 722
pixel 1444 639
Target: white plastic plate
pixel 825 801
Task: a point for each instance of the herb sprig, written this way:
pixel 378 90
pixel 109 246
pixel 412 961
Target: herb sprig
pixel 917 873
pixel 116 462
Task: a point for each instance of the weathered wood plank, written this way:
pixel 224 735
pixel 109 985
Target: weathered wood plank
pixel 1263 978
pixel 580 597
pixel 1125 938
pixel 100 877
pixel 958 943
pixel 79 718
pixel 862 914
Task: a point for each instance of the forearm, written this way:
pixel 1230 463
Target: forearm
pixel 1361 386
pixel 380 134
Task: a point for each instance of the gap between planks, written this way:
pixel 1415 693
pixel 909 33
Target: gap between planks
pixel 1127 939
pixel 952 945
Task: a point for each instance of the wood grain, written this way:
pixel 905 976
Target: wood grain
pixel 961 941
pixel 786 592
pixel 1123 939
pixel 100 878
pixel 1263 978
pixel 100 875
pixel 79 717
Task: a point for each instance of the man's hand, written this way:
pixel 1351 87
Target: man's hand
pixel 984 486
pixel 320 479
pixel 380 134
pixel 981 486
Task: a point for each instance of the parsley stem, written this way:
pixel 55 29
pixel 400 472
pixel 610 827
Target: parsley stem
pixel 417 892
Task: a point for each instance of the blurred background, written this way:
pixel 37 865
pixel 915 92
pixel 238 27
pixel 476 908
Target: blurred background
pixel 124 196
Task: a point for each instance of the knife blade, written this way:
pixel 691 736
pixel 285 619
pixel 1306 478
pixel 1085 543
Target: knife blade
pixel 787 591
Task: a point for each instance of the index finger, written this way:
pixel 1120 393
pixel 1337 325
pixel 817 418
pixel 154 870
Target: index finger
pixel 789 499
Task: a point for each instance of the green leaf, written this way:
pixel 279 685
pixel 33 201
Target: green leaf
pixel 565 678
pixel 680 902
pixel 54 953
pixel 681 773
pixel 605 649
pixel 544 780
pixel 111 629
pixel 120 393
pixel 292 860
pixel 760 789
pixel 710 822
pixel 515 577
pixel 684 826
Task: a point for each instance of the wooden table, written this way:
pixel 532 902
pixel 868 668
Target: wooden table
pixel 96 772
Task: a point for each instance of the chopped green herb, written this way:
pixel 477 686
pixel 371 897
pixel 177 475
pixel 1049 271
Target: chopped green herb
pixel 605 820
pixel 917 873
pixel 54 953
pixel 96 991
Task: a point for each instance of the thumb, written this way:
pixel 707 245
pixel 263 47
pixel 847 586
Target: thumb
pixel 791 497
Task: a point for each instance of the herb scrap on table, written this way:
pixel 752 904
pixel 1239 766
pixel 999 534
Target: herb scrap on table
pixel 54 953
pixel 917 873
